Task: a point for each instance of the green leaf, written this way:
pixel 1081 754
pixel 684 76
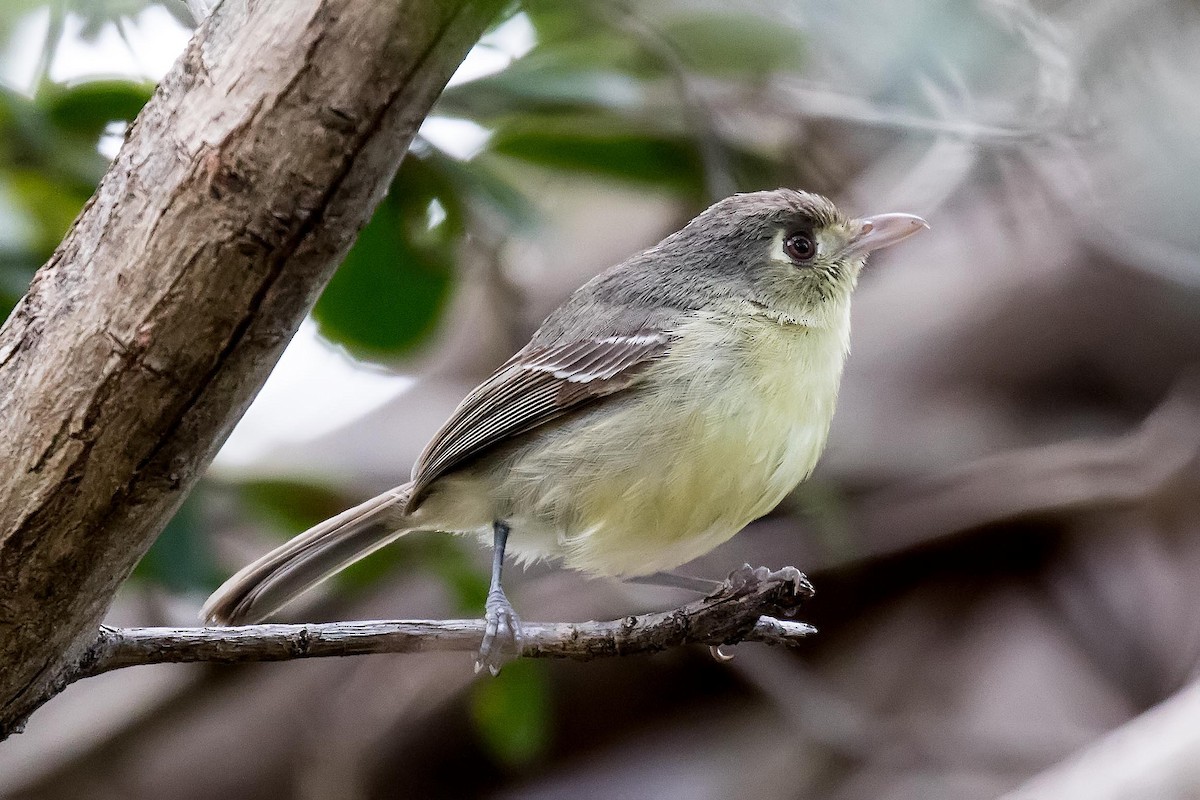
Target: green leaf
pixel 512 712
pixel 291 506
pixel 441 554
pixel 599 148
pixel 447 556
pixel 50 203
pixel 30 140
pixel 181 559
pixel 390 290
pixel 85 109
pixel 16 271
pixel 734 45
pixel 552 19
pixel 381 564
pixel 575 36
pixel 533 85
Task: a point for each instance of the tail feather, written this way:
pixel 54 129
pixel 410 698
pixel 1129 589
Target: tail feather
pixel 270 582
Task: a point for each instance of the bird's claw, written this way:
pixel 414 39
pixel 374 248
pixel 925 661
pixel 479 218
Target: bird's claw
pixel 746 578
pixel 501 636
pixel 719 655
pixel 801 586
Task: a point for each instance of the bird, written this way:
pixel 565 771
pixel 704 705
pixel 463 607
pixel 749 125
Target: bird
pixel 666 404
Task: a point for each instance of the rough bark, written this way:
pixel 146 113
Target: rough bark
pixel 146 335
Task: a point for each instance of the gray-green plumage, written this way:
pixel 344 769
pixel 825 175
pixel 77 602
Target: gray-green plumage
pixel 664 405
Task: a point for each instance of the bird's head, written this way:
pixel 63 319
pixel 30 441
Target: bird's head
pixel 793 252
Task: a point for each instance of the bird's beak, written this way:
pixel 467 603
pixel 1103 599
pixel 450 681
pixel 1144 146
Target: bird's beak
pixel 884 230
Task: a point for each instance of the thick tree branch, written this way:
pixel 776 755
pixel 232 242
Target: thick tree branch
pixel 142 341
pixel 744 609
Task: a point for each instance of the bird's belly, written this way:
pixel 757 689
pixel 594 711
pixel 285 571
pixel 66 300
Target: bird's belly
pixel 685 466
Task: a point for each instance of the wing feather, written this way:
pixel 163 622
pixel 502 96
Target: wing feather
pixel 535 386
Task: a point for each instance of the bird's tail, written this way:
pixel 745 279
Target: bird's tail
pixel 271 581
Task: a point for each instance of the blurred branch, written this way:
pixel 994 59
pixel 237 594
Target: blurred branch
pixel 54 34
pixel 745 608
pixel 719 180
pixel 806 101
pixel 1154 755
pixel 1039 481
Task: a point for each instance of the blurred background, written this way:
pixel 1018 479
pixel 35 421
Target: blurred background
pixel 1003 532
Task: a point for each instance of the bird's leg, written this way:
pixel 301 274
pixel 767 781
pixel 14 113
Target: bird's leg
pixel 502 636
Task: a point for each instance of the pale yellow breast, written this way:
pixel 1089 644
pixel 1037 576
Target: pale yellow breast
pixel 727 425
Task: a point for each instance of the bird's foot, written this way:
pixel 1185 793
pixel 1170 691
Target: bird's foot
pixel 748 579
pixel 771 594
pixel 501 637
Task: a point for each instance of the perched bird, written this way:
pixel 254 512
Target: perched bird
pixel 666 404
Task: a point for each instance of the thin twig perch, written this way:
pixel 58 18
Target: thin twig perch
pixel 750 606
pixel 747 607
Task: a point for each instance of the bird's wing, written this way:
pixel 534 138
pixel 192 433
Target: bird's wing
pixel 536 385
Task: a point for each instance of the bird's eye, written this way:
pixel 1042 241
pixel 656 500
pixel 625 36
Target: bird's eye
pixel 800 247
